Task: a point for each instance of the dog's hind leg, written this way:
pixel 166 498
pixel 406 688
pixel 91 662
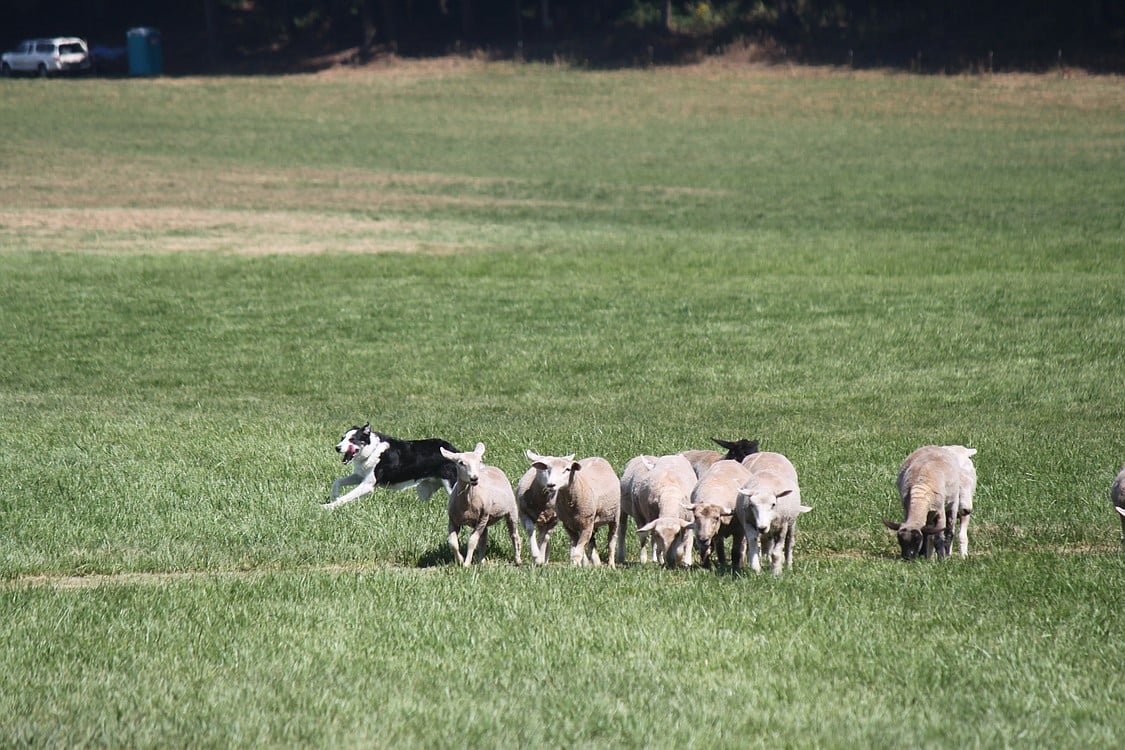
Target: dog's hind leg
pixel 427 487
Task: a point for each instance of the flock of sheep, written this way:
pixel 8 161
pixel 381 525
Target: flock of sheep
pixel 697 499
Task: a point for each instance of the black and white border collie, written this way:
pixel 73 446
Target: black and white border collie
pixel 380 460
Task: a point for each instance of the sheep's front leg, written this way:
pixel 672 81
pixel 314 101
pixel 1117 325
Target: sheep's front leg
pixel 578 544
pixel 545 547
pixel 537 554
pixel 455 543
pixel 643 541
pixel 737 545
pixel 687 544
pixel 751 535
pixel 478 537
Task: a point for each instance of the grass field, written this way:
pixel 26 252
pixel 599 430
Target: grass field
pixel 203 282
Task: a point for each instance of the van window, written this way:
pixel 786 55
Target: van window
pixel 71 49
pixel 46 47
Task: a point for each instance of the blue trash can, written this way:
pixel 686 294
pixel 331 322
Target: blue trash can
pixel 146 52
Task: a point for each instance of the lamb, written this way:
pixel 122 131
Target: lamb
pixel 587 496
pixel 933 482
pixel 660 497
pixel 1117 495
pixel 481 496
pixel 702 460
pixel 767 509
pixel 712 503
pixel 536 506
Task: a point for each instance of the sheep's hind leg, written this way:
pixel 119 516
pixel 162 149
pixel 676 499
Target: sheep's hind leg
pixel 514 532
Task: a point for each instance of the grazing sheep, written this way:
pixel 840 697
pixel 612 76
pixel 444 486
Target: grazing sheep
pixel 536 506
pixel 932 482
pixel 1117 495
pixel 767 509
pixel 660 497
pixel 481 496
pixel 712 504
pixel 965 494
pixel 702 460
pixel 587 496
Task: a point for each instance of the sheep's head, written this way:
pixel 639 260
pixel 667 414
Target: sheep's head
pixel 468 464
pixel 709 519
pixel 668 538
pixel 737 449
pixel 912 542
pixel 762 500
pixel 554 472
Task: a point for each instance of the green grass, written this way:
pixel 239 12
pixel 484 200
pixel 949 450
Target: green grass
pixel 204 282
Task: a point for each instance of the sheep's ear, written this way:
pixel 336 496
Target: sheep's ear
pixel 574 465
pixel 970 452
pixel 1119 510
pixel 932 530
pixel 570 457
pixel 784 493
pixel 724 443
pixel 648 462
pixel 479 450
pixel 540 466
pixel 684 524
pixel 448 454
pixel 688 506
pixel 532 456
pixel 648 526
pixel 892 525
pixel 803 509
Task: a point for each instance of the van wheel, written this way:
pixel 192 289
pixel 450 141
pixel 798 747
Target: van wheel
pixel 42 70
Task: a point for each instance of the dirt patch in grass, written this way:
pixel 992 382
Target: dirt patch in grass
pixel 117 230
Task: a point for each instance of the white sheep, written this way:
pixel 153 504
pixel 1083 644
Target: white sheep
pixel 767 509
pixel 638 467
pixel 1117 495
pixel 933 482
pixel 587 496
pixel 536 506
pixel 660 497
pixel 481 496
pixel 712 504
pixel 702 460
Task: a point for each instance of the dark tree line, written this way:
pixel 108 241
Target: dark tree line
pixel 896 32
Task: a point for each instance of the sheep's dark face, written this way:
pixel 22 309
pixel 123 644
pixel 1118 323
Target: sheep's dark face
pixel 912 542
pixel 737 449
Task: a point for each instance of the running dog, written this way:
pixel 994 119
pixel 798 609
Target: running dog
pixel 380 460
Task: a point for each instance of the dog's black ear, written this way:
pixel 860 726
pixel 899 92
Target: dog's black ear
pixel 366 429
